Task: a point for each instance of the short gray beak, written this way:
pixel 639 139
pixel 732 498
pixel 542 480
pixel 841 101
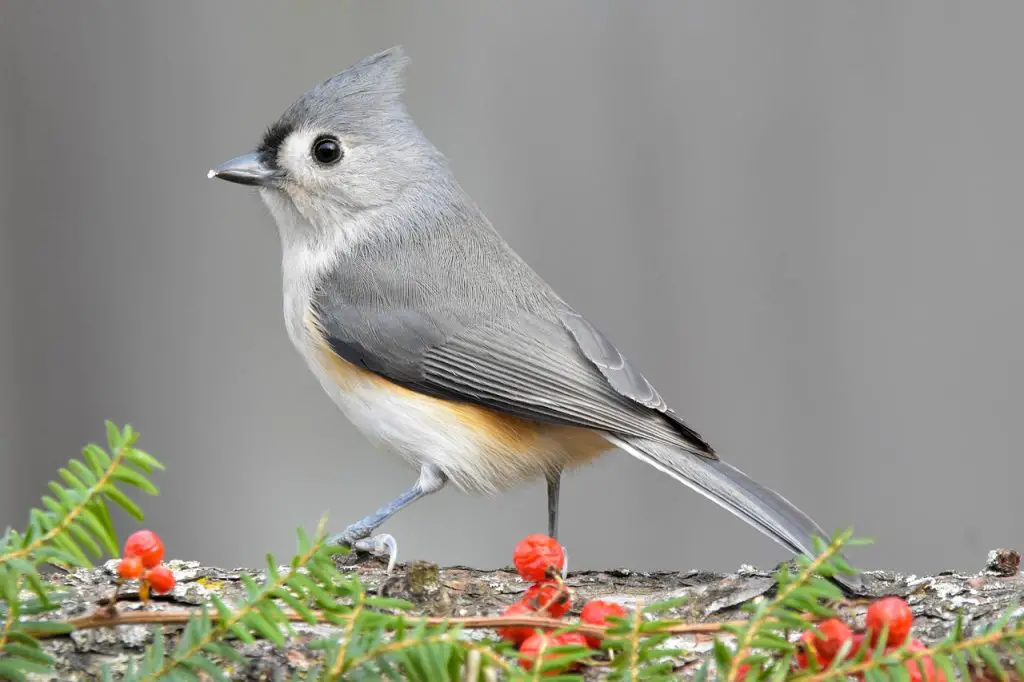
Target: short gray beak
pixel 247 169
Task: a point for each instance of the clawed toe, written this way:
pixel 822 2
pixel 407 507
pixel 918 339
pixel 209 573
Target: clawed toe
pixel 383 545
pixel 380 545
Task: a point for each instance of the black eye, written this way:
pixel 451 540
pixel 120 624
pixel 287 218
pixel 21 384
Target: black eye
pixel 327 150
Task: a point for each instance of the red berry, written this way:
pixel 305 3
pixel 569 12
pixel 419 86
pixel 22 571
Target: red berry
pixel 809 645
pixel 517 635
pixel 146 545
pixel 835 633
pixel 549 598
pixel 597 612
pixel 130 568
pixel 532 646
pixel 536 555
pixel 931 673
pixel 531 649
pixel 892 611
pixel 857 643
pixel 160 579
pixel 570 638
pixel 741 673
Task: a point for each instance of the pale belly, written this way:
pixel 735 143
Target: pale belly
pixel 480 450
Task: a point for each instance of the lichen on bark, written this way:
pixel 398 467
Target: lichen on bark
pixel 459 591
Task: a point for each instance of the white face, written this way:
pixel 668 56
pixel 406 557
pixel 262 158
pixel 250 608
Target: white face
pixel 324 202
pixel 327 173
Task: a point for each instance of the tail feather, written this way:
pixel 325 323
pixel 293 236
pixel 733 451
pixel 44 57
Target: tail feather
pixel 730 488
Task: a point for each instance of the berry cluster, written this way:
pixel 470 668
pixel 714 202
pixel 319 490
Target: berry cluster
pixel 143 552
pixel 889 617
pixel 540 560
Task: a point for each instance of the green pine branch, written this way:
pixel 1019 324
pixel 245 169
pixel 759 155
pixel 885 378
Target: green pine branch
pixel 314 588
pixel 636 644
pixel 808 592
pixel 76 514
pixel 955 656
pixel 377 639
pixel 73 524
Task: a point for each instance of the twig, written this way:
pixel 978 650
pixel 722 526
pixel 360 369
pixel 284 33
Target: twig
pixel 346 637
pixel 634 642
pixel 102 619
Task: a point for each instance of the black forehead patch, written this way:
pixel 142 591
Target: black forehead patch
pixel 272 140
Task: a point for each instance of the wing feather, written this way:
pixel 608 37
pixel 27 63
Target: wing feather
pixel 528 366
pixel 489 332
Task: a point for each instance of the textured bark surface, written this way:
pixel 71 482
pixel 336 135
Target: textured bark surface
pixel 460 591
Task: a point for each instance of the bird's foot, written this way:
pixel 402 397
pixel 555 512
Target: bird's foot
pixel 358 538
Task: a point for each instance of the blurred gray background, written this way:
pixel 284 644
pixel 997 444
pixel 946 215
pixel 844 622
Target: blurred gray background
pixel 801 219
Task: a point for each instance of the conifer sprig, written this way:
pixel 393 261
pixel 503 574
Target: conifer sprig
pixel 73 525
pixel 375 638
pixel 806 592
pixel 374 635
pixel 256 616
pixel 992 650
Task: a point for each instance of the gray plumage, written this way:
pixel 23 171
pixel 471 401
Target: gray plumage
pixel 451 311
pixel 405 277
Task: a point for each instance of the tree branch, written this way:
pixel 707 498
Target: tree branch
pixel 473 599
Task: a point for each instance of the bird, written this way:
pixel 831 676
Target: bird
pixel 435 338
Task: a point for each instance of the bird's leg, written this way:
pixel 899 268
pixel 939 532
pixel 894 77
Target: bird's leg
pixel 357 536
pixel 554 479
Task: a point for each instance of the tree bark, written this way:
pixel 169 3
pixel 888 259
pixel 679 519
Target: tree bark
pixel 460 592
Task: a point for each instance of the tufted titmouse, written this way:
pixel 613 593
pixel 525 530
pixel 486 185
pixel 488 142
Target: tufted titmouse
pixel 435 338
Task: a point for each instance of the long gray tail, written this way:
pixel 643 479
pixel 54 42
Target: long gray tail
pixel 727 486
